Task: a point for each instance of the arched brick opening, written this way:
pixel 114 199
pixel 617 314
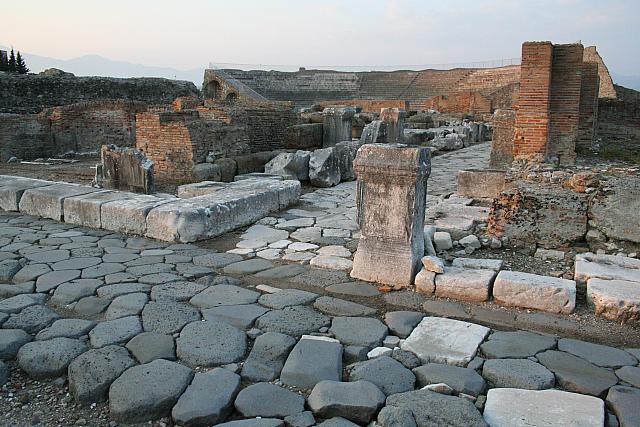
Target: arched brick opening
pixel 212 90
pixel 231 97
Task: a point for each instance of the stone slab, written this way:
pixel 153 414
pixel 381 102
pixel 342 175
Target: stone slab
pixel 527 290
pixel 48 202
pixel 617 300
pixel 463 284
pixel 12 189
pixel 129 215
pixel 85 209
pixel 313 359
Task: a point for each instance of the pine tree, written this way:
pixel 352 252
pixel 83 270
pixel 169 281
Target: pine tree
pixel 3 63
pixel 12 62
pixel 21 67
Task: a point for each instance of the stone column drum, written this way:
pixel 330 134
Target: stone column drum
pixel 336 127
pixel 394 118
pixel 390 195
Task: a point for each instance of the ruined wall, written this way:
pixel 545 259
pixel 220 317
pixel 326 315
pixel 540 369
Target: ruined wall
pixel 503 122
pixel 31 93
pixel 620 117
pixel 365 105
pixel 588 103
pixel 25 136
pixel 606 86
pixel 468 102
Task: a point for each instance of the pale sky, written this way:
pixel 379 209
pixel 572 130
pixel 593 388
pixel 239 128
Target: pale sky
pixel 186 34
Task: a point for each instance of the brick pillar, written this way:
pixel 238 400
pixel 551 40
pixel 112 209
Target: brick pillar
pixel 336 126
pixel 394 118
pixel 532 115
pixel 390 195
pixel 588 103
pixel 564 105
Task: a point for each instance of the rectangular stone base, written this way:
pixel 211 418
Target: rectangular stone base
pixel 85 209
pixel 388 263
pixel 533 291
pixel 12 188
pixel 48 201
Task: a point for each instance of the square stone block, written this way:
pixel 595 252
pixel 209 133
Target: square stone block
pixel 129 215
pixel 85 209
pixel 617 300
pixel 527 290
pixel 463 284
pixel 12 188
pixel 47 202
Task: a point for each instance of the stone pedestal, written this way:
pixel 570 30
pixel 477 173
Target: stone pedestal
pixel 394 118
pixel 336 125
pixel 126 169
pixel 391 192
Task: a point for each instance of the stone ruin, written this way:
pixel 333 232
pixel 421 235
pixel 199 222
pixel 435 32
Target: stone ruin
pixel 125 169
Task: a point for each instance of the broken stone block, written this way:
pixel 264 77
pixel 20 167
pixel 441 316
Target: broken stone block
pixel 346 152
pixel 527 290
pixel 478 264
pixel 324 168
pixel 478 184
pixel 374 132
pixel 606 267
pixel 290 165
pixel 390 196
pixel 442 240
pixel 126 169
pixel 450 142
pixel 394 118
pixel 425 282
pixel 418 136
pixel 466 285
pixel 616 212
pixel 47 202
pixel 337 122
pixel 85 209
pixel 617 300
pixel 303 136
pixel 433 263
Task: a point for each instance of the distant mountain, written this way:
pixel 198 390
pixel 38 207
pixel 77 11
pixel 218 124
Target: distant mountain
pixel 95 65
pixel 631 82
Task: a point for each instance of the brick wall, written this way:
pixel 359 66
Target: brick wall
pixel 588 103
pixel 461 102
pixel 25 136
pixel 502 122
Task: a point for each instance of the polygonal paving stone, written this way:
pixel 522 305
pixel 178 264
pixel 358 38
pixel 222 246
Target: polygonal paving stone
pixel 112 291
pixel 143 270
pixel 48 256
pixel 461 380
pixel 357 401
pixel 267 357
pixel 575 374
pixel 624 402
pixel 386 373
pixel 147 260
pixel 49 359
pixel 249 266
pixel 67 293
pixel 240 316
pixel 331 263
pixel 518 344
pixel 147 392
pixel 115 331
pixel 10 342
pixel 354 289
pixel 209 398
pixel 76 263
pixel 30 272
pixel 122 277
pixel 190 271
pixel 8 268
pixel 159 278
pixel 294 321
pixel 313 359
pixel 601 355
pixel 120 257
pixel 268 400
pixel 102 270
pixel 220 295
pixel 126 305
pixel 216 260
pixel 401 323
pixel 16 304
pixel 517 373
pixel 90 306
pixel 111 243
pixel 68 328
pixel 51 280
pixel 629 374
pixel 320 277
pixel 149 346
pixel 176 291
pixel 32 319
pixel 264 233
pixel 340 307
pixel 167 317
pixel 363 331
pixel 8 291
pixel 91 373
pixel 287 298
pixel 281 272
pixel 211 343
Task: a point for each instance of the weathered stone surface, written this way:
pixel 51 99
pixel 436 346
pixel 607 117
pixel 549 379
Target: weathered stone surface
pixel 517 373
pixel 478 263
pixel 576 374
pixel 264 233
pixel 357 401
pixel 268 400
pixel 401 323
pixel 428 408
pixel 257 422
pixel 527 290
pixel 85 209
pixel 32 319
pixel 167 317
pixel 11 191
pixel 90 306
pixel 30 272
pixel 443 340
pixel 249 266
pixel 91 373
pixel 542 408
pixel 287 298
pixel 10 342
pixel 148 391
pixel 129 215
pixel 267 357
pixel 4 373
pixel 8 269
pixel 312 360
pixel 614 213
pixel 294 321
pixel 363 331
pixel 336 125
pixel 629 374
pixel 601 355
pixel 49 359
pixel 624 401
pixel 16 304
pixel 389 375
pixel 47 201
pixel 331 262
pixel 290 165
pixel 354 288
pixel 340 307
pixel 240 316
pixel 208 400
pixel 220 295
pixel 69 328
pixel 303 419
pixel 211 343
pixel 67 293
pixel 518 344
pixel 126 305
pixel 617 300
pixel 149 346
pixel 433 263
pixel 115 331
pixel 480 183
pixel 391 204
pixel 463 284
pixel 606 267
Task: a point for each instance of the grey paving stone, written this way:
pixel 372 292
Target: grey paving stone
pixel 32 319
pixel 517 373
pixel 401 323
pixel 312 360
pixel 625 402
pixel 219 295
pixel 216 260
pixel 281 272
pixel 49 359
pixel 240 316
pixel 461 380
pixel 208 400
pixel 48 256
pixel 601 355
pixel 340 307
pixel 287 298
pixel 320 277
pixel 268 400
pixel 168 317
pixel 91 373
pixel 51 280
pixel 518 344
pixel 122 277
pixel 115 290
pixel 249 266
pixel 211 343
pixel 120 257
pixel 8 269
pixel 87 251
pixel 16 304
pixel 176 259
pixel 428 408
pixel 102 270
pixel 294 321
pixel 4 373
pixel 147 392
pixel 354 353
pixel 30 273
pixel 354 288
pixel 115 331
pixel 111 243
pixel 386 373
pixel 10 342
pixel 146 260
pixel 267 357
pixel 303 419
pixel 256 422
pixel 91 306
pixel 144 243
pixel 149 346
pixel 176 291
pixel 126 305
pixel 408 359
pixel 357 401
pixel 629 374
pixel 343 422
pixel 76 263
pixel 575 374
pixel 67 293
pixel 143 270
pixel 363 331
pixel 191 271
pixel 159 278
pixel 69 328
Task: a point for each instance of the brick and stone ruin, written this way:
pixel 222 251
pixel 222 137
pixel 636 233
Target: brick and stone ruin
pixel 409 248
